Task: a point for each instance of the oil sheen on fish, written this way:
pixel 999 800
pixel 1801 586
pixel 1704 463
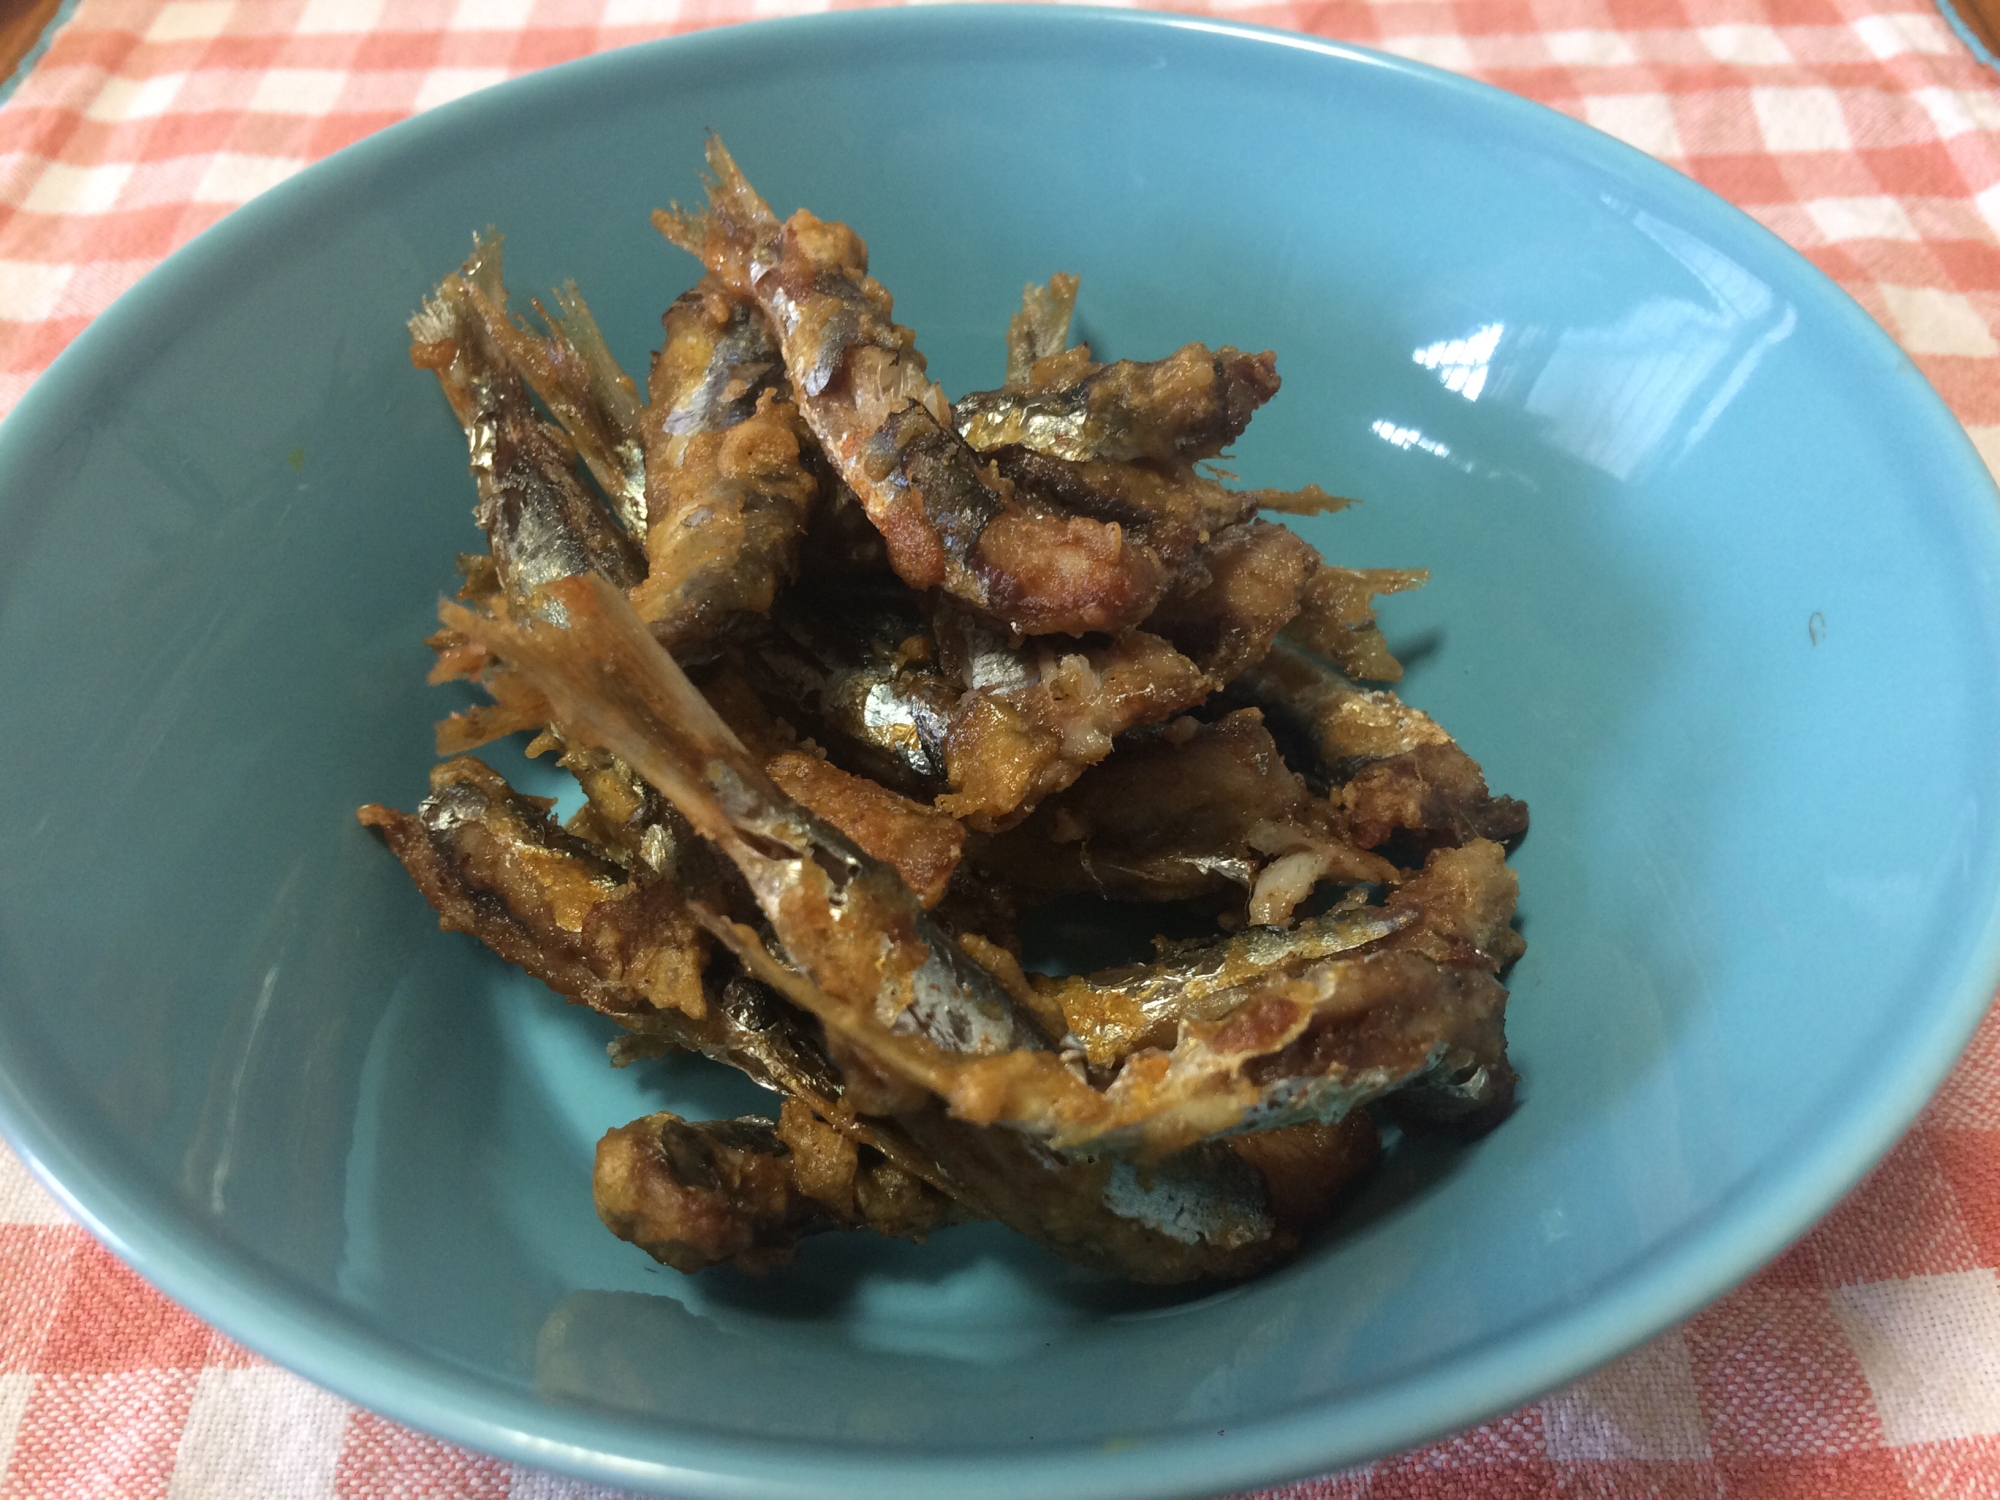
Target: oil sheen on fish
pixel 492 863
pixel 1189 406
pixel 571 368
pixel 846 919
pixel 728 494
pixel 950 661
pixel 888 428
pixel 542 523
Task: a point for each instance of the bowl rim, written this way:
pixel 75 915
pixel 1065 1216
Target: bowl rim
pixel 256 1304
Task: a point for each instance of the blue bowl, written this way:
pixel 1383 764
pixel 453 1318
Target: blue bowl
pixel 1712 590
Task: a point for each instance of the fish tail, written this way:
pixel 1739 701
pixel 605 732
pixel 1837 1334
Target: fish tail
pixel 609 680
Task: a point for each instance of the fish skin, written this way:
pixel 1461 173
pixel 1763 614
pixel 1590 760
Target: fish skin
pixel 1184 408
pixel 1203 1218
pixel 1334 725
pixel 842 916
pixel 541 522
pixel 692 1194
pixel 729 492
pixel 738 363
pixel 571 368
pixel 1399 776
pixel 929 991
pixel 888 430
pixel 1305 1038
pixel 856 664
pixel 1205 982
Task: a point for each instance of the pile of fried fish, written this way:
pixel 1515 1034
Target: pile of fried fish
pixel 852 677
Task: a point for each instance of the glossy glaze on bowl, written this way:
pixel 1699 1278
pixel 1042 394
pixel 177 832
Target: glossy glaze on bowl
pixel 1712 590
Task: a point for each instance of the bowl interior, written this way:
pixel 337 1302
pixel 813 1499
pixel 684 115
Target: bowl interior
pixel 1711 590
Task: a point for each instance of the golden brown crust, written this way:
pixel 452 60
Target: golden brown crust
pixel 1189 406
pixel 1236 595
pixel 1010 747
pixel 888 429
pixel 728 496
pixel 494 864
pixel 1067 575
pixel 693 1196
pixel 1430 796
pixel 921 842
pixel 1345 1008
pixel 1203 810
pixel 1308 1169
pixel 1031 628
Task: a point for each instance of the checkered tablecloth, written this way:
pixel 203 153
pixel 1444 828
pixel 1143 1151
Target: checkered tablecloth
pixel 1865 1363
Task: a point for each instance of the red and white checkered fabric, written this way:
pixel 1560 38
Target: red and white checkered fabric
pixel 1865 1364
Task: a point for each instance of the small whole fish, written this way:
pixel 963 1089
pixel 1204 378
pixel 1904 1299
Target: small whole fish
pixel 493 864
pixel 1398 775
pixel 728 493
pixel 951 661
pixel 542 523
pixel 845 918
pixel 889 432
pixel 1186 407
pixel 856 950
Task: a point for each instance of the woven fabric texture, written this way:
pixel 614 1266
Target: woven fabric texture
pixel 1864 1364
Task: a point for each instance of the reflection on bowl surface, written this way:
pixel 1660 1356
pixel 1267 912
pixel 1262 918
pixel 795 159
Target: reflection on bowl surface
pixel 1711 591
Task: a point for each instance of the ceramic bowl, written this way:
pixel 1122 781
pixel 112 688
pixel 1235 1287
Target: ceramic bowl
pixel 1712 589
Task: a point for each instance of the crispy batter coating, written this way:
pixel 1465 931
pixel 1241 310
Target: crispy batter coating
pixel 495 864
pixel 1336 618
pixel 1190 405
pixel 950 661
pixel 1175 508
pixel 728 494
pixel 1405 785
pixel 1271 1029
pixel 745 1192
pixel 1434 796
pixel 888 430
pixel 1199 811
pixel 696 1195
pixel 489 867
pixel 1016 741
pixel 1235 597
pixel 920 841
pixel 941 705
pixel 1342 725
pixel 846 918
